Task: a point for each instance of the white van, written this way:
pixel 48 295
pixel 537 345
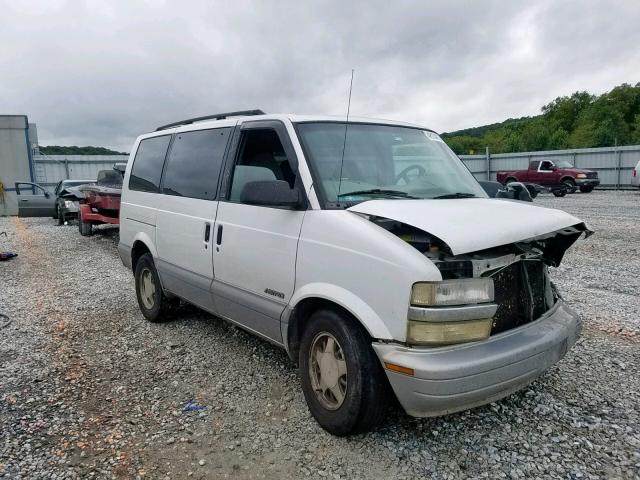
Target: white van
pixel 364 248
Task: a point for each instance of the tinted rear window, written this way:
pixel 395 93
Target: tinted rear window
pixel 147 165
pixel 194 164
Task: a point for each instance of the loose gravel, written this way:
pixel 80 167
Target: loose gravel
pixel 89 389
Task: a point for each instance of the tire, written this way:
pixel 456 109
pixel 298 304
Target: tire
pixel 59 216
pixel 85 228
pixel 561 192
pixel 363 386
pixel 586 189
pixel 570 185
pixel 155 306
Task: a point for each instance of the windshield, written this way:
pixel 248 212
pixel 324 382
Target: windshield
pixel 564 164
pixel 382 161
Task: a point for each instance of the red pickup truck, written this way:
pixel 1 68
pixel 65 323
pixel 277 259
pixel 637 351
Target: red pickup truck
pixel 553 175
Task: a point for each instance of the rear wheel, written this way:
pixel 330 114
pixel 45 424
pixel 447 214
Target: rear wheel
pixel 586 189
pixel 570 185
pixel 153 303
pixel 343 382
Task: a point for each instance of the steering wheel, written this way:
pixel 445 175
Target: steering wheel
pixel 403 175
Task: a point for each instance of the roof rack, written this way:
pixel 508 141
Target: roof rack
pixel 215 116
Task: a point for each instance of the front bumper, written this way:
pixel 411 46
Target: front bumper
pixel 458 377
pixel 587 182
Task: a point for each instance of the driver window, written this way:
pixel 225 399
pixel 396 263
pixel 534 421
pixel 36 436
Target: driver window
pixel 261 158
pixel 546 165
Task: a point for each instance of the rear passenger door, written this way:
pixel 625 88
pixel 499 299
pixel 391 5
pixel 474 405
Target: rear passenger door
pixel 187 211
pixel 255 246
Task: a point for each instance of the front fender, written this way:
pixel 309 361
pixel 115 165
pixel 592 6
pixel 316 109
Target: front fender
pixel 347 300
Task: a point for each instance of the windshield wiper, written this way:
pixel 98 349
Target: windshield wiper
pixel 456 195
pixel 378 191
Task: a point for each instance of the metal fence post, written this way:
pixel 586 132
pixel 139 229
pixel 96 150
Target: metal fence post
pixel 487 162
pixel 66 167
pixel 618 168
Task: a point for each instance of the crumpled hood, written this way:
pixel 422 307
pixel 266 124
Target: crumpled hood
pixel 471 224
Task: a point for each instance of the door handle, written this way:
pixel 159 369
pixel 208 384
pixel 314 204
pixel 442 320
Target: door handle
pixel 207 232
pixel 219 236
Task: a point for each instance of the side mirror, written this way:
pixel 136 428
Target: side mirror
pixel 515 191
pixel 271 193
pixel 46 194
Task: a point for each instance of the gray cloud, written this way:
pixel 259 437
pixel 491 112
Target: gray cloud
pixel 100 73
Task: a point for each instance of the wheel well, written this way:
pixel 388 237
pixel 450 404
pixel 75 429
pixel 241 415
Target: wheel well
pixel 510 179
pixel 300 316
pixel 567 178
pixel 139 249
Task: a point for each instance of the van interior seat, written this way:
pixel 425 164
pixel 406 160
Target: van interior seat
pixel 244 174
pixel 265 160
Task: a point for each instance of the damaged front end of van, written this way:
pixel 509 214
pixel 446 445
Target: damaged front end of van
pixel 494 321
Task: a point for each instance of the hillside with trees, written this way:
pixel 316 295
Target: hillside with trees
pixel 581 120
pixel 61 150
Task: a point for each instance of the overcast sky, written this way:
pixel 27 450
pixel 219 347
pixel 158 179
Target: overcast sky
pixel 101 73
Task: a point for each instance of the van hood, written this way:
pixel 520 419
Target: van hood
pixel 472 224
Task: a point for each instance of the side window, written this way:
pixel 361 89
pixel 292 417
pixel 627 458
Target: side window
pixel 147 164
pixel 194 163
pixel 261 157
pixel 546 165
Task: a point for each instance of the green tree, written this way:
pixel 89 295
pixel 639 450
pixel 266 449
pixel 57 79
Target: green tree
pixel 579 120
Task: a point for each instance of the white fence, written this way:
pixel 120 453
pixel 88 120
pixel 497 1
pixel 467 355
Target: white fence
pixel 50 169
pixel 613 164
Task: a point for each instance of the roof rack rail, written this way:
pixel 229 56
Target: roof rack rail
pixel 215 116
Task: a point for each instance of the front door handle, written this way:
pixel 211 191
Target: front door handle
pixel 207 232
pixel 219 236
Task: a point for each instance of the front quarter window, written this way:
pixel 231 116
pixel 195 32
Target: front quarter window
pixel 383 161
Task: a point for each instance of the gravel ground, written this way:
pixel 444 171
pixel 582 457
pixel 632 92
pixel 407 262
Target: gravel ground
pixel 88 389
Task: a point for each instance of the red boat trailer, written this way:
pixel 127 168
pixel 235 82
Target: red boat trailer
pixel 101 203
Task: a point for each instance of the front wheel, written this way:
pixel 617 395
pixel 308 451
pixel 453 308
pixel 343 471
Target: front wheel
pixel 59 216
pixel 343 382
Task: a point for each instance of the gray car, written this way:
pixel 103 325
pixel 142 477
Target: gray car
pixel 67 199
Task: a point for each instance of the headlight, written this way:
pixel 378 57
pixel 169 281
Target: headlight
pixel 68 203
pixel 452 292
pixel 448 333
pixel 581 175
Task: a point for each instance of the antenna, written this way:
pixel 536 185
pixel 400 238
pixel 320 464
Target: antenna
pixel 346 126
